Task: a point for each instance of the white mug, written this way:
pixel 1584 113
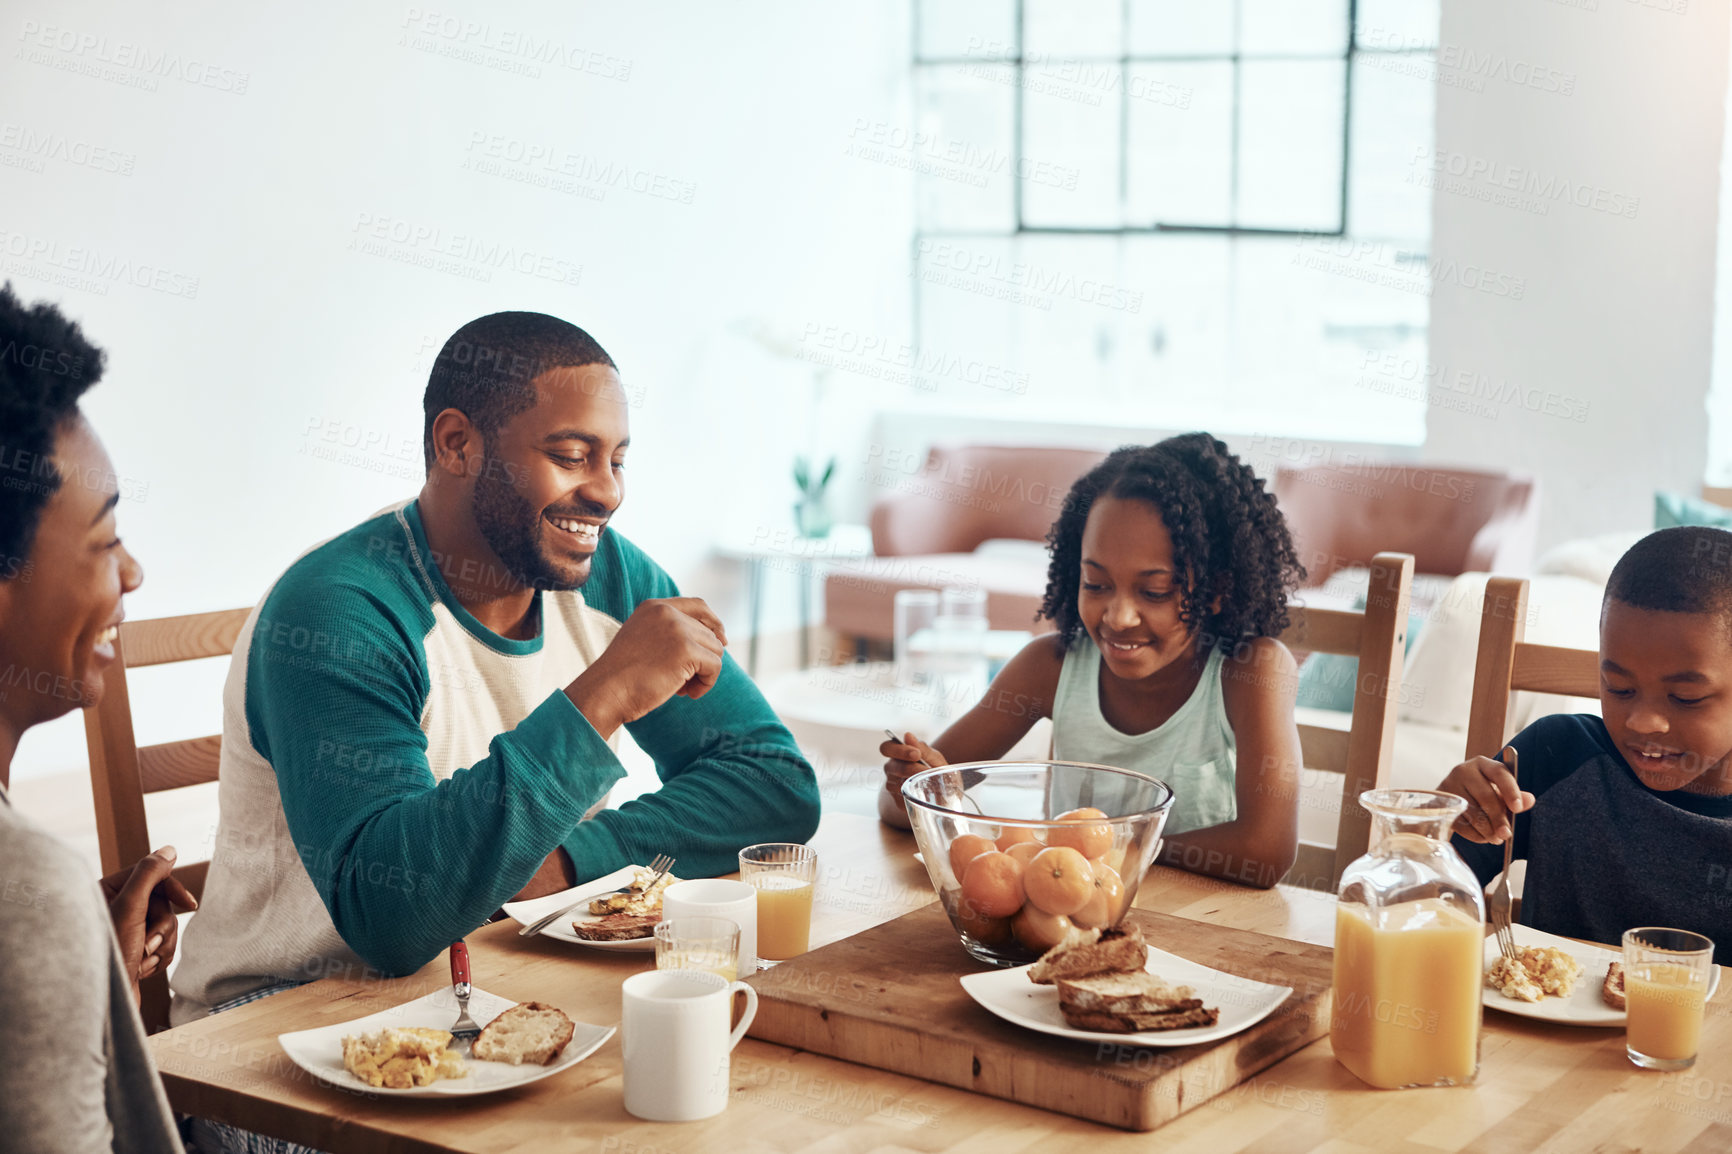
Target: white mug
pixel 719 898
pixel 675 1038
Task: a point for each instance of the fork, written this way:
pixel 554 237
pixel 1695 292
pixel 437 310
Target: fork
pixel 661 865
pixel 464 1032
pixel 1498 901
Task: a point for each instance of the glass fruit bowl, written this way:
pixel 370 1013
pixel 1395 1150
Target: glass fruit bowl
pixel 1021 851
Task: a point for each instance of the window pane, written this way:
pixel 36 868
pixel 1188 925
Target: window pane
pixel 1173 348
pixel 1291 122
pixel 1072 27
pixel 1388 186
pixel 1395 25
pixel 1330 333
pixel 1179 147
pixel 960 149
pixel 1282 27
pixel 1180 27
pixel 1070 161
pixel 1070 308
pixel 966 301
pixel 966 29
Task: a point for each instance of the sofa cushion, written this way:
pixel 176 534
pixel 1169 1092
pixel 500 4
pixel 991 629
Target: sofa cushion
pixel 1673 509
pixel 1437 683
pixel 1590 558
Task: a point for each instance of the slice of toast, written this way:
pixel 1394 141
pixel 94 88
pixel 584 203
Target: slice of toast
pixel 1137 1023
pixel 1120 950
pixel 1612 992
pixel 527 1032
pixel 1135 993
pixel 617 927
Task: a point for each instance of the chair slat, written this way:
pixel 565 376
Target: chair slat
pixel 1502 621
pixel 175 764
pixel 1376 696
pixel 1323 630
pixel 1552 669
pixel 185 638
pixel 121 773
pixel 1323 748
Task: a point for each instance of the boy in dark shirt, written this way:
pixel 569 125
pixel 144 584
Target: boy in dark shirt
pixel 1627 821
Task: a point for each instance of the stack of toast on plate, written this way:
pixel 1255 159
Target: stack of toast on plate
pixel 1103 984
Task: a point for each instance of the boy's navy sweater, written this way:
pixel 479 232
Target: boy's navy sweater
pixel 1605 853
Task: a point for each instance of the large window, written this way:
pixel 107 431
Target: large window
pixel 1177 212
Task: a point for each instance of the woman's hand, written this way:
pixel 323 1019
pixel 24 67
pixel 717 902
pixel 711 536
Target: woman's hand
pixel 1492 799
pixel 142 902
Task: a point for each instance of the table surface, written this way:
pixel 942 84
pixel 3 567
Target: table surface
pixel 1540 1088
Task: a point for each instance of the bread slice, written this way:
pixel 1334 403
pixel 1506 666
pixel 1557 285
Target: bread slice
pixel 1137 993
pixel 1612 992
pixel 1137 1023
pixel 617 927
pixel 1120 950
pixel 528 1032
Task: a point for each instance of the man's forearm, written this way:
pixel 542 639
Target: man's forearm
pixel 555 874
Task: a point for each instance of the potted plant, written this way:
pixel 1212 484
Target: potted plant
pixel 812 510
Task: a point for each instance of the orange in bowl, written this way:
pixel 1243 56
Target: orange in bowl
pixel 1084 830
pixel 1059 880
pixel 1038 930
pixel 965 849
pixel 1104 906
pixel 992 887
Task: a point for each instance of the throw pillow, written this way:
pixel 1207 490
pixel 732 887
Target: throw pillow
pixel 1671 509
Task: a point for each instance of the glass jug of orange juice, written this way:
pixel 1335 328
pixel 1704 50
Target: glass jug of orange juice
pixel 1409 944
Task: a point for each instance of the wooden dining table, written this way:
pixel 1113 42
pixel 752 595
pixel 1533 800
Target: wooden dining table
pixel 1541 1087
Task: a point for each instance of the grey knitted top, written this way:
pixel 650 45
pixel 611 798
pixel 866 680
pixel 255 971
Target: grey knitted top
pixel 77 1078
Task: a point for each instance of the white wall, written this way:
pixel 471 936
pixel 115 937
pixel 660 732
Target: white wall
pixel 707 192
pixel 1615 315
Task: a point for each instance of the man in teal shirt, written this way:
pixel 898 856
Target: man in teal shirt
pixel 420 712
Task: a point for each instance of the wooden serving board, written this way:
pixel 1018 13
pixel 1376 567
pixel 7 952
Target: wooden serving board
pixel 890 998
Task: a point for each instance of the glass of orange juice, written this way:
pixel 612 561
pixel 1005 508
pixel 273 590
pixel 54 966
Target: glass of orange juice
pixel 1666 976
pixel 694 943
pixel 784 875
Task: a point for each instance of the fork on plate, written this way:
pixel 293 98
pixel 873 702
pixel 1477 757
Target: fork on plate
pixel 661 865
pixel 1498 900
pixel 463 1034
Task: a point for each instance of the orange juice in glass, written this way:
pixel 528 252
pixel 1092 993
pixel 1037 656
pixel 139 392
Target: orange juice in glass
pixel 784 875
pixel 1666 978
pixel 1409 940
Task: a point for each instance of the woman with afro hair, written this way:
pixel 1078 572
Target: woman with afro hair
pixel 1171 567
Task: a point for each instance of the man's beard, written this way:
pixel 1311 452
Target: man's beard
pixel 512 528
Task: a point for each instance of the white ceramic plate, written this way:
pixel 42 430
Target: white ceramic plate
pixel 529 912
pixel 1242 1002
pixel 1584 1006
pixel 320 1052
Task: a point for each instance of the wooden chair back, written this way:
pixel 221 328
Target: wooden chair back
pixel 1506 664
pixel 121 772
pixel 1363 754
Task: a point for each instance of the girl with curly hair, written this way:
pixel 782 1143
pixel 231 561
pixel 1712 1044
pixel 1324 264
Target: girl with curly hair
pixel 1171 567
